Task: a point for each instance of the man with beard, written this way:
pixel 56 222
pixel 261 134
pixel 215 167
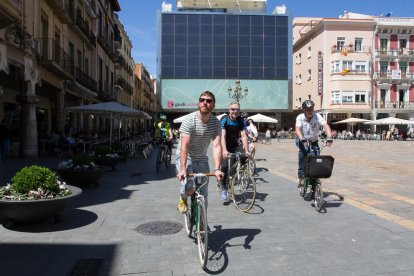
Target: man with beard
pixel 196 132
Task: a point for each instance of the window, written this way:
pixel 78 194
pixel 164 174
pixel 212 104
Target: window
pixel 383 45
pixel 358 44
pixel 309 51
pixel 299 58
pixel 336 66
pixel 335 97
pixel 347 64
pixel 347 97
pixel 309 74
pixel 300 79
pixel 340 41
pixel 361 97
pixel 361 66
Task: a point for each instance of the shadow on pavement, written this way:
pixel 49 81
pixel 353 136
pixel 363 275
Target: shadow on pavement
pixel 219 242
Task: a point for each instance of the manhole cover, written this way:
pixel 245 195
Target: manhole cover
pixel 159 228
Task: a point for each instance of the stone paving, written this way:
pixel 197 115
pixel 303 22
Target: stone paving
pixel 366 229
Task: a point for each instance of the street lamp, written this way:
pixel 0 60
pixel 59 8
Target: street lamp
pixel 237 92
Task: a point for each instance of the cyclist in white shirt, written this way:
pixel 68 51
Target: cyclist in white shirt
pixel 307 129
pixel 252 135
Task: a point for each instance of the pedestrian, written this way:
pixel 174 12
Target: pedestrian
pixel 5 140
pixel 196 132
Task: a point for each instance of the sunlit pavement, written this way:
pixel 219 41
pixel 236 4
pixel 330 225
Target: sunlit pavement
pixel 366 228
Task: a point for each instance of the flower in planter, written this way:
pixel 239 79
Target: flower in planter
pixel 34 182
pixel 79 162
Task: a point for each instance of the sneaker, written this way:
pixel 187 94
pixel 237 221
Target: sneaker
pixel 223 195
pixel 301 182
pixel 182 206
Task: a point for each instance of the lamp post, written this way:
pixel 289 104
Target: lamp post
pixel 238 92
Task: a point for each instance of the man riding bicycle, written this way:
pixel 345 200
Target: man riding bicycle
pixel 164 131
pixel 307 129
pixel 233 127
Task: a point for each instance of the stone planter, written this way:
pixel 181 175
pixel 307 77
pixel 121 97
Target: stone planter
pixel 82 177
pixel 109 162
pixel 30 211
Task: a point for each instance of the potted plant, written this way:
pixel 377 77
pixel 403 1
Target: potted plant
pixel 35 194
pixel 105 157
pixel 80 170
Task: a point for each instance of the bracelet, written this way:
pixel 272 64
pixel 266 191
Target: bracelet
pixel 216 169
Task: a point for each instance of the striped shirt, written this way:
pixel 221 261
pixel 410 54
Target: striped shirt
pixel 200 135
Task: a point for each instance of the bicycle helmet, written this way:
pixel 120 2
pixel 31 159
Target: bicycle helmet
pixel 308 104
pixel 163 117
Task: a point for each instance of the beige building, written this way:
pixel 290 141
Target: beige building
pixel 58 54
pixel 332 66
pixel 147 99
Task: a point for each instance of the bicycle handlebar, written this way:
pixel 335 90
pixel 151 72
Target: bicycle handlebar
pixel 201 174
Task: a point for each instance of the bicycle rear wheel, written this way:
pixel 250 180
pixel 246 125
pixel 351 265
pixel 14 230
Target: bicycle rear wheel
pixel 188 219
pixel 251 165
pixel 202 232
pixel 319 201
pixel 302 187
pixel 159 161
pixel 243 190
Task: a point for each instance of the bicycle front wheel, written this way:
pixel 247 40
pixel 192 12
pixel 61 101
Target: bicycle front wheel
pixel 243 190
pixel 188 219
pixel 167 158
pixel 202 232
pixel 319 201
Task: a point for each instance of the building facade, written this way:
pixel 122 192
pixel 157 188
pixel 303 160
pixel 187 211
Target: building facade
pixel 354 66
pixel 58 54
pixel 393 76
pixel 218 47
pixel 332 67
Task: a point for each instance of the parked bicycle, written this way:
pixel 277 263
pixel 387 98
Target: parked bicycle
pixel 315 166
pixel 196 216
pixel 241 186
pixel 163 156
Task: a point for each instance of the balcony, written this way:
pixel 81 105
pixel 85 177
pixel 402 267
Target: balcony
pixel 345 50
pixel 16 34
pixel 119 62
pixel 81 27
pixel 9 12
pixel 124 85
pixel 117 38
pixel 394 106
pixel 394 77
pixel 391 54
pixel 83 79
pixel 105 92
pixel 107 46
pixel 50 55
pixel 61 9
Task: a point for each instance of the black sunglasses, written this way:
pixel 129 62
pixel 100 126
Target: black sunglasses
pixel 201 100
pixel 235 109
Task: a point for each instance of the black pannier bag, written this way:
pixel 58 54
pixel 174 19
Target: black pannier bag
pixel 318 166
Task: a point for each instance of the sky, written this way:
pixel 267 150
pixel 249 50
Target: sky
pixel 139 18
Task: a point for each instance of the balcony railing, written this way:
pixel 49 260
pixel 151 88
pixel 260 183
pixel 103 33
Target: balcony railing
pixel 394 105
pixel 49 53
pixel 404 76
pixel 82 78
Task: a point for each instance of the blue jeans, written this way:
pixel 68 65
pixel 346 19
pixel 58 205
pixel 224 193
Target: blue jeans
pixel 188 183
pixel 303 151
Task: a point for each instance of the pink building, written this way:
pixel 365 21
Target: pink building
pixel 332 66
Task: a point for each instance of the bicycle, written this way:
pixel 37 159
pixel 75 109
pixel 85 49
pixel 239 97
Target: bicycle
pixel 241 185
pixel 315 166
pixel 196 215
pixel 163 156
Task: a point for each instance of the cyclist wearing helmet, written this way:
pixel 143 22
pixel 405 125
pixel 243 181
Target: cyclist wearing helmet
pixel 307 128
pixel 164 131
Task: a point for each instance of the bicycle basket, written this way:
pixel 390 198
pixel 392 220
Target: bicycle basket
pixel 318 166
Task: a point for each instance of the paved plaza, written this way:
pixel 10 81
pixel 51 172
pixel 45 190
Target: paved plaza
pixel 367 228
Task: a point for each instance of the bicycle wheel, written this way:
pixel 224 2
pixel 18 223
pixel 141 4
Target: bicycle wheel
pixel 188 220
pixel 319 201
pixel 202 232
pixel 251 165
pixel 167 158
pixel 243 190
pixel 159 161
